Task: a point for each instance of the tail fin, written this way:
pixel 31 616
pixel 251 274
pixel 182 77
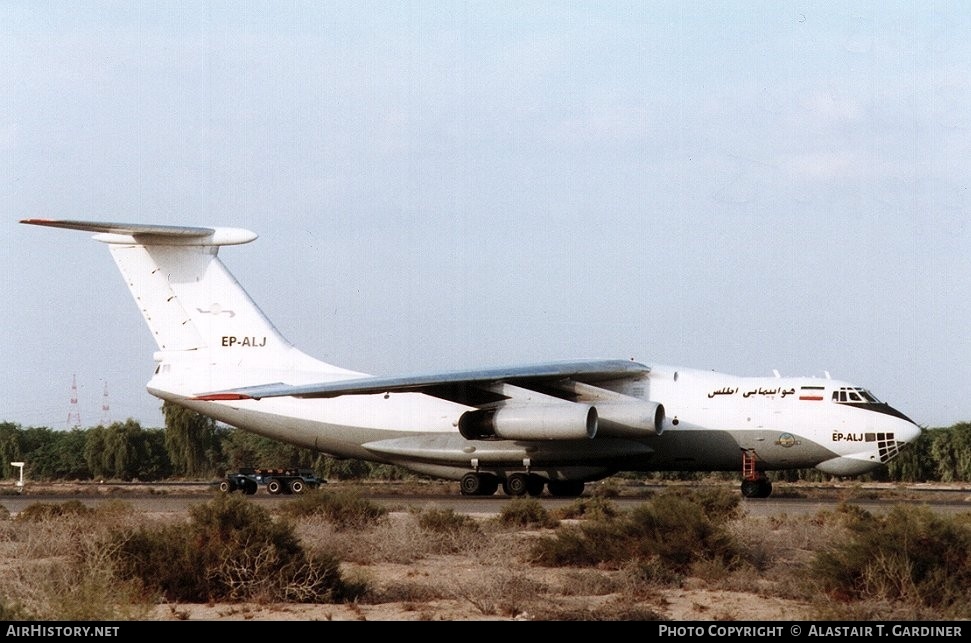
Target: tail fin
pixel 196 310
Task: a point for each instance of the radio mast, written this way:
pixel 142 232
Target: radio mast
pixel 105 415
pixel 74 412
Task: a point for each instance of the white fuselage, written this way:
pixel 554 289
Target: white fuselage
pixel 711 418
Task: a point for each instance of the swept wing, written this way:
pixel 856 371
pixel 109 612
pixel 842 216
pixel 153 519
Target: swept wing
pixel 589 371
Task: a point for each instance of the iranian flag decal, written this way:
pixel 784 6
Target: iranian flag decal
pixel 812 393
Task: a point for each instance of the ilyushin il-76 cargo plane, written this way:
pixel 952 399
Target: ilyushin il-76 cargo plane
pixel 552 426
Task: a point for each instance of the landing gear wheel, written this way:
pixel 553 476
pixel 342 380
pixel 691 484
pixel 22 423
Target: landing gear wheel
pixel 765 488
pixel 490 484
pixel 757 488
pixel 470 484
pixel 274 486
pixel 478 484
pixel 522 484
pixel 516 485
pixel 565 488
pixel 534 486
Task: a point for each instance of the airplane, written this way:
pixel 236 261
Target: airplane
pixel 527 428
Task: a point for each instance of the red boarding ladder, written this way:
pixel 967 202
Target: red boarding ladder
pixel 748 465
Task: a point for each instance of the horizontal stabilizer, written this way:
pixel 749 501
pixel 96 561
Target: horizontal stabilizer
pixel 152 234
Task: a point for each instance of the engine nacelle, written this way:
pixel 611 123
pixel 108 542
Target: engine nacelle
pixel 634 419
pixel 565 421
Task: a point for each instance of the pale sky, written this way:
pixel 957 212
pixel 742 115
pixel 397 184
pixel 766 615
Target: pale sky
pixel 737 186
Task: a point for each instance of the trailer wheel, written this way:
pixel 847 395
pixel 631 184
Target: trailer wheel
pixel 274 486
pixel 296 486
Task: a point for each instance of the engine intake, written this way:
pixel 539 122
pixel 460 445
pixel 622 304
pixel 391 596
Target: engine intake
pixel 533 422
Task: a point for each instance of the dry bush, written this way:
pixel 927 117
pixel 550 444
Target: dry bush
pixel 412 591
pixel 909 558
pixel 772 547
pixel 394 540
pixel 231 549
pixel 448 532
pixel 589 582
pixel 526 512
pixel 677 528
pixel 63 565
pixel 499 592
pixel 593 508
pixel 346 510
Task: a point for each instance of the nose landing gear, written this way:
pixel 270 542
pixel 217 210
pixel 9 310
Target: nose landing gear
pixel 755 484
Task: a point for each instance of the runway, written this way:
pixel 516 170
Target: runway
pixel 178 497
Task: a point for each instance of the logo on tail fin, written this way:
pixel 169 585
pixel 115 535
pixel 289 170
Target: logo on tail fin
pixel 216 309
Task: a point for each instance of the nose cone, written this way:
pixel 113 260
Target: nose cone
pixel 907 431
pixel 904 429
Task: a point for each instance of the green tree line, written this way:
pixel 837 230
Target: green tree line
pixel 190 446
pixel 194 447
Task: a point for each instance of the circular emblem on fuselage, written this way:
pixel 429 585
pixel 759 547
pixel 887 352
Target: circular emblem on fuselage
pixel 786 440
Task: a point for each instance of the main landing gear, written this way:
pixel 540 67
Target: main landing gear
pixel 755 484
pixel 518 485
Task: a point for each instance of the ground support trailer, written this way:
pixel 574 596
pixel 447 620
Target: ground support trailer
pixel 276 481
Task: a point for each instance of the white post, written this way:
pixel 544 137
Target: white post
pixel 20 482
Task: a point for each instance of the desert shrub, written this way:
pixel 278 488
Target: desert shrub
pixel 719 504
pixel 910 556
pixel 345 510
pixel 85 588
pixel 445 531
pixel 525 512
pixel 585 545
pixel 676 528
pixel 65 565
pixel 500 593
pixel 680 529
pixel 446 521
pixel 231 549
pixel 595 508
pixel 650 573
pixel 609 488
pixel 40 511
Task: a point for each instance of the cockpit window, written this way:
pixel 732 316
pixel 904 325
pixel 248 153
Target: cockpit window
pixel 854 395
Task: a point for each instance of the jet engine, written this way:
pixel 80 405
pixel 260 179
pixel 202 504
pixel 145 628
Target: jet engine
pixel 634 419
pixel 565 421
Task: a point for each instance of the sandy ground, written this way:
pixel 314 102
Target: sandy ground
pixel 497 586
pixel 686 603
pixel 678 605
